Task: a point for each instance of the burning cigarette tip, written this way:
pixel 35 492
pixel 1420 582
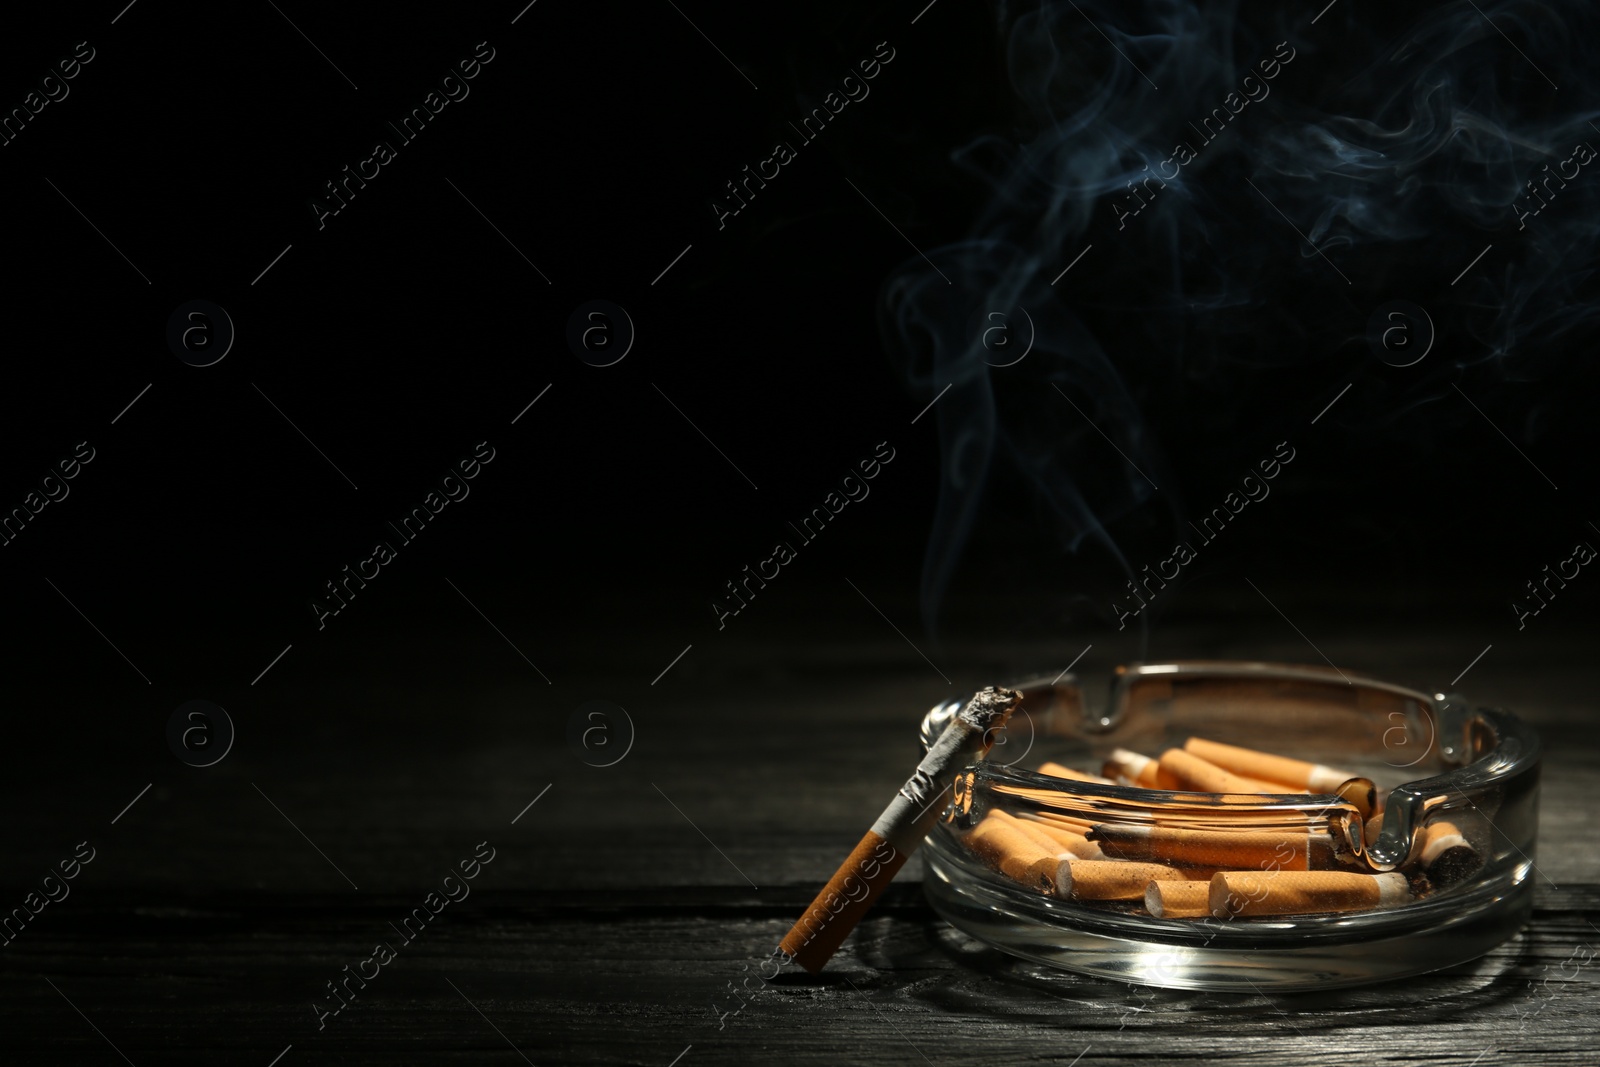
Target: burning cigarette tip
pixel 990 707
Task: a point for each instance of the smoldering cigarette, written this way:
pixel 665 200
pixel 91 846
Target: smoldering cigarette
pixel 1138 770
pixel 1116 879
pixel 1249 763
pixel 898 831
pixel 1287 851
pixel 1192 772
pixel 1255 893
pixel 1056 770
pixel 1178 900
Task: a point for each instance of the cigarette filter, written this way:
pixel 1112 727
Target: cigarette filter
pixel 1069 822
pixel 1266 850
pixel 1178 900
pixel 1056 770
pixel 1303 776
pixel 1359 792
pixel 1192 772
pixel 1111 879
pixel 1065 839
pixel 1009 845
pixel 1253 893
pixel 1138 770
pixel 898 832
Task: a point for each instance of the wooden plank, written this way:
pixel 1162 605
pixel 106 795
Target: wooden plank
pixel 616 913
pixel 609 979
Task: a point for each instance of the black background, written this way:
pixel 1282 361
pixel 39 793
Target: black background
pixel 408 330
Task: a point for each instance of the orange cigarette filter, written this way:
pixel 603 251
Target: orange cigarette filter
pixel 1255 893
pixel 1137 770
pixel 1200 817
pixel 1249 763
pixel 1112 879
pixel 1006 844
pixel 1374 827
pixel 1178 900
pixel 1070 822
pixel 1361 793
pixel 1056 770
pixel 1065 839
pixel 1267 850
pixel 1032 830
pixel 1192 772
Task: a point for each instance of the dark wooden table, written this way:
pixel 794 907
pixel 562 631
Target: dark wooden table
pixel 620 906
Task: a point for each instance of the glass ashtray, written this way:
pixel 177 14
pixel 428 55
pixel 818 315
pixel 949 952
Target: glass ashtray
pixel 1438 768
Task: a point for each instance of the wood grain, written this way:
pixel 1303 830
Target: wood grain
pixel 624 909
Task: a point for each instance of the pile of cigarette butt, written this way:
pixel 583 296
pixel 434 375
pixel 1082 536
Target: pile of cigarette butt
pixel 1235 864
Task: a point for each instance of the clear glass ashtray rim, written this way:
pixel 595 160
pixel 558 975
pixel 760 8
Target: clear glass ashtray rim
pixel 1277 959
pixel 1487 890
pixel 1518 752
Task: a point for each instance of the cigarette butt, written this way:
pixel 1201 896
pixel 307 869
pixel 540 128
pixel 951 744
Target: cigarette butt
pixel 1373 827
pixel 1056 770
pixel 1178 900
pixel 1069 822
pixel 1361 793
pixel 1005 843
pixel 1447 855
pixel 1141 771
pixel 1032 830
pixel 1111 879
pixel 1285 851
pixel 1192 772
pixel 898 831
pixel 1249 763
pixel 1070 840
pixel 1252 893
